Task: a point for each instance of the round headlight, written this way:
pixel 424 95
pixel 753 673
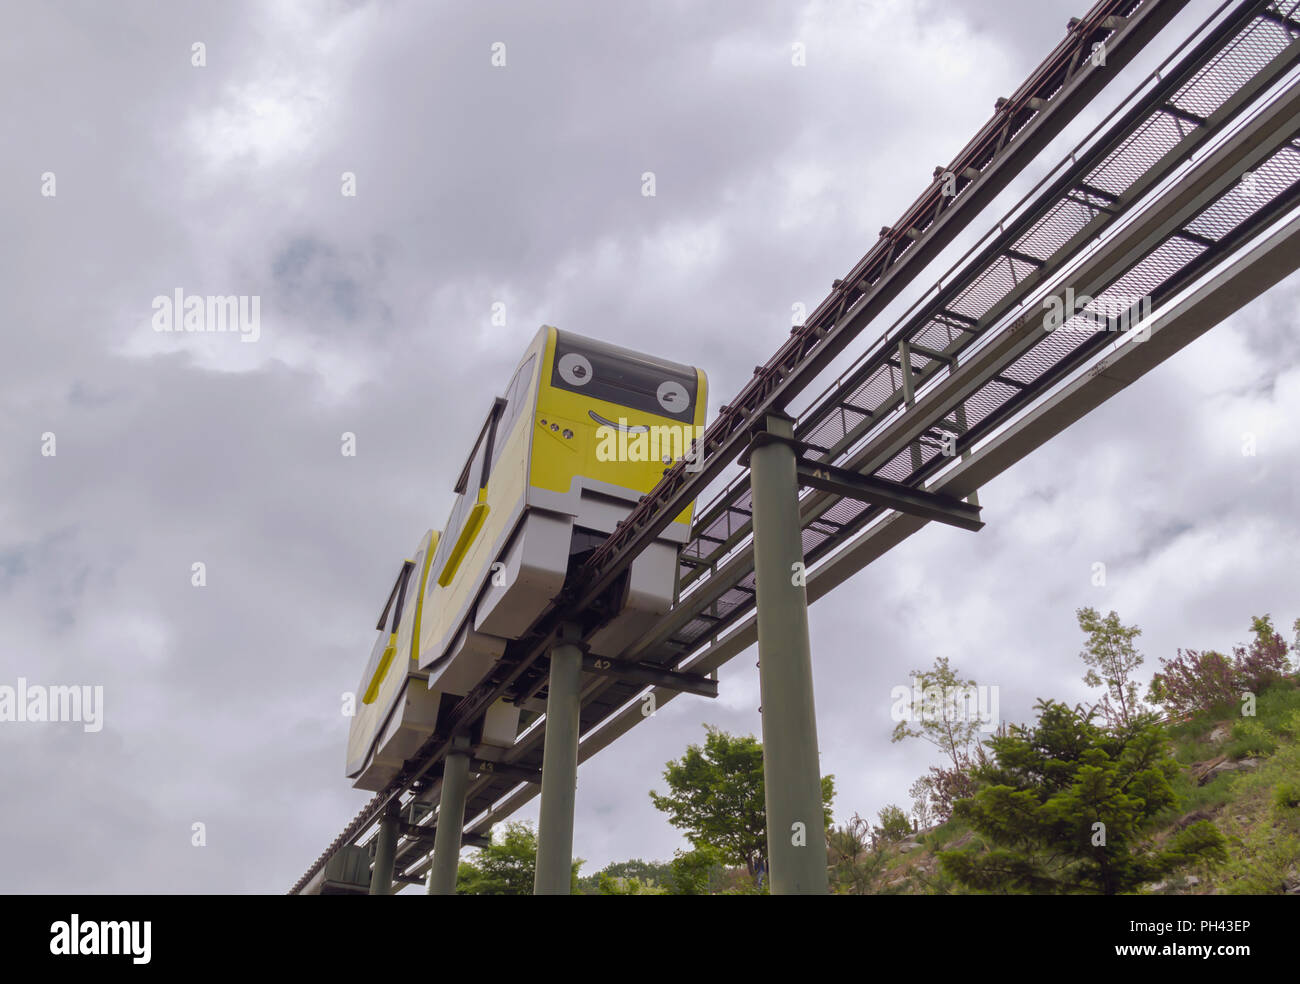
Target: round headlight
pixel 672 396
pixel 575 369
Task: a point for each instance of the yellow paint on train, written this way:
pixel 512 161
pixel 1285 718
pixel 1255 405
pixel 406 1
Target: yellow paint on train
pixel 470 530
pixel 550 443
pixel 557 459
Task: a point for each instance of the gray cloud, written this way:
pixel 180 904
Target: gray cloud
pixel 520 186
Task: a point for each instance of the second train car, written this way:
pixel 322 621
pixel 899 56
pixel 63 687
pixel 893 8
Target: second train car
pixel 584 429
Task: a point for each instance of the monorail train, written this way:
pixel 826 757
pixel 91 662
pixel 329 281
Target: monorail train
pixel 584 429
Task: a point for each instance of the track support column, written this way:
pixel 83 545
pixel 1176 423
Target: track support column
pixel 451 819
pixel 381 878
pixel 559 768
pixel 796 826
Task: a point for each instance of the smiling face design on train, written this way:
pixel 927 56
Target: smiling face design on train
pixel 584 429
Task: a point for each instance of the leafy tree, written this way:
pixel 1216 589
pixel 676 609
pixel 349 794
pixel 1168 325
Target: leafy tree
pixel 507 866
pixel 644 872
pixel 948 784
pixel 1264 662
pixel 944 723
pixel 716 797
pixel 1198 681
pixel 894 825
pixel 628 885
pixel 1112 659
pixel 1194 681
pixel 695 872
pixel 1068 807
pixel 922 793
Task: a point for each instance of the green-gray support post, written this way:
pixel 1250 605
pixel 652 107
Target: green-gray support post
pixel 796 827
pixel 974 497
pixel 381 878
pixel 909 391
pixel 451 819
pixel 559 769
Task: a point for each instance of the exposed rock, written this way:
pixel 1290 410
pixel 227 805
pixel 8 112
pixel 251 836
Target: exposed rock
pixel 1221 733
pixel 1203 772
pixel 1292 884
pixel 1194 817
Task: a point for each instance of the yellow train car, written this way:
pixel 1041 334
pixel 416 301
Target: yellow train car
pixel 584 430
pixel 379 740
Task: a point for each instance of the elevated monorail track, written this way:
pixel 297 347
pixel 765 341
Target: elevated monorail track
pixel 1150 206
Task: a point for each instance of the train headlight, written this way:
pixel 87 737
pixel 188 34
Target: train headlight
pixel 575 369
pixel 672 396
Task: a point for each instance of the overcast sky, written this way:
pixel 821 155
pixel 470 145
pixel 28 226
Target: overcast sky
pixel 518 185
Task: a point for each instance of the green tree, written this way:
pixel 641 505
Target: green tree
pixel 627 885
pixel 695 872
pixel 1112 659
pixel 1068 807
pixel 507 866
pixel 716 797
pixel 922 793
pixel 948 719
pixel 644 872
pixel 894 825
pixel 1203 681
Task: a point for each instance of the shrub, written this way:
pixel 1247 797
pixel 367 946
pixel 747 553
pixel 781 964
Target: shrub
pixel 1249 737
pixel 1194 681
pixel 1199 681
pixel 894 825
pixel 1287 795
pixel 948 785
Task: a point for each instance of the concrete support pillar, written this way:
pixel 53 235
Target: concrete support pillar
pixel 451 820
pixel 381 878
pixel 796 828
pixel 559 770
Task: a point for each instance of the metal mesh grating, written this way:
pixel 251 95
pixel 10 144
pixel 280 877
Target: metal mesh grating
pixel 1233 67
pixel 991 292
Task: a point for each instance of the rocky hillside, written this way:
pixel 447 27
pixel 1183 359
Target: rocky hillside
pixel 1240 773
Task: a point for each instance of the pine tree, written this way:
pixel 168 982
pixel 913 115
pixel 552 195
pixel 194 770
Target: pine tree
pixel 1068 807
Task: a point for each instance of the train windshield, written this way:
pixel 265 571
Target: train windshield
pixel 617 375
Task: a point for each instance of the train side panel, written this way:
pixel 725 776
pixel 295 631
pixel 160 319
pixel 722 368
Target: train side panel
pixel 391 709
pixel 448 631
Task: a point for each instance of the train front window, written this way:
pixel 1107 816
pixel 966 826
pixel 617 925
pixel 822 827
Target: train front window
pixel 615 375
